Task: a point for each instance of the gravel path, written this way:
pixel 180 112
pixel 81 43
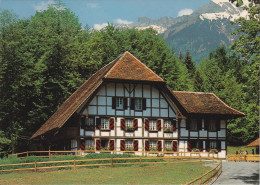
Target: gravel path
pixel 239 173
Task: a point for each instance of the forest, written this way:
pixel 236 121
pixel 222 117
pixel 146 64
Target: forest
pixel 45 58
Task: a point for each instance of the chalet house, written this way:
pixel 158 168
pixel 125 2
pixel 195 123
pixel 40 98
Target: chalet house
pixel 125 106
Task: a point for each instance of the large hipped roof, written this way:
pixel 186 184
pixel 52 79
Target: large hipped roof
pixel 125 67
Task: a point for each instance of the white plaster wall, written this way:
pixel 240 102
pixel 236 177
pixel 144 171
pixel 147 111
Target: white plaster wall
pixel 194 134
pixel 184 132
pixel 81 132
pixel 212 134
pixel 104 133
pixel 175 134
pixel 153 134
pixel 222 133
pixel 168 135
pixel 146 91
pixel 203 133
pixel 182 146
pixel 89 133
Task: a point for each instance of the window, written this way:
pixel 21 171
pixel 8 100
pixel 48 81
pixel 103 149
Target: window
pixel 167 126
pixel 153 145
pixel 168 145
pixel 119 103
pixel 212 125
pixel 193 124
pixel 89 145
pixel 213 144
pixel 152 125
pixel 129 145
pixel 90 123
pixel 105 123
pixel 128 122
pixel 138 104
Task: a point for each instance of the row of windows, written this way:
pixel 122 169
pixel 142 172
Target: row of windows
pixel 127 124
pixel 120 103
pixel 211 125
pixel 197 145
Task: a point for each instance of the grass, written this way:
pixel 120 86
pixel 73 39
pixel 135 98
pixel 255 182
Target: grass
pixel 178 173
pixel 232 149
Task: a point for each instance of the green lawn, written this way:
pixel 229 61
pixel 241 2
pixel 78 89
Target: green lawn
pixel 233 149
pixel 151 174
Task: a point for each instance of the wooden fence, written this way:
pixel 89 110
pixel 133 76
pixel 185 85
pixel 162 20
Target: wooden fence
pixel 246 158
pixel 209 176
pixel 51 154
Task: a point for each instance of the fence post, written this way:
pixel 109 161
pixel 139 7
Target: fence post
pixel 27 154
pixel 35 167
pixel 49 154
pixel 169 160
pixel 140 160
pixel 200 158
pixel 74 164
pixel 112 162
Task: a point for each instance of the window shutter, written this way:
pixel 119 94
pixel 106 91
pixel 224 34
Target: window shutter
pixel 206 124
pixel 207 146
pixel 82 144
pixel 147 148
pixel 146 124
pixel 218 125
pixel 132 104
pixel 188 124
pixel 199 124
pixel 112 144
pixel 159 125
pixel 98 144
pixel 159 145
pixel 125 103
pixel 219 146
pixel 144 103
pixel 122 124
pixel 111 123
pixel 174 146
pixel 135 145
pixel 113 102
pixel 189 146
pixel 173 125
pixel 201 146
pixel 122 145
pixel 98 123
pixel 135 121
pixel 82 122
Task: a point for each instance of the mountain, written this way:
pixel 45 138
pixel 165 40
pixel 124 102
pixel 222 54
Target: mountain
pixel 203 31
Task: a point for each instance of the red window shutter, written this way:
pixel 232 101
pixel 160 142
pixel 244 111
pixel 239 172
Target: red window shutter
pixel 122 145
pixel 159 145
pixel 111 123
pixel 98 144
pixel 201 146
pixel 132 104
pixel 174 146
pixel 159 125
pixel 122 124
pixel 207 146
pixel 189 146
pixel 146 124
pixel 135 145
pixel 112 144
pixel 144 103
pixel 82 144
pixel 173 125
pixel 98 123
pixel 113 102
pixel 147 148
pixel 135 124
pixel 125 103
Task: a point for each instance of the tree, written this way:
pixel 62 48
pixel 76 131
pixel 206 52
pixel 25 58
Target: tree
pixel 189 64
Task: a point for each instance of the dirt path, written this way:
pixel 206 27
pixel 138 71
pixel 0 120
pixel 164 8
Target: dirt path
pixel 239 173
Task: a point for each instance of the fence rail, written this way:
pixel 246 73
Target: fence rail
pixel 246 158
pixel 50 154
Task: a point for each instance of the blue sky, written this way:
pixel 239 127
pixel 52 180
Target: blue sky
pixel 99 12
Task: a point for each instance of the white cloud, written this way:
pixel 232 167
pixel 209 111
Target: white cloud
pixel 43 5
pixel 100 26
pixel 92 5
pixel 121 21
pixel 185 11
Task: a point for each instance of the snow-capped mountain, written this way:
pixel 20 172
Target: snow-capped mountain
pixel 207 28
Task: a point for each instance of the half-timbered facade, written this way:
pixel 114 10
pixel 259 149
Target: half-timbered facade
pixel 126 106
